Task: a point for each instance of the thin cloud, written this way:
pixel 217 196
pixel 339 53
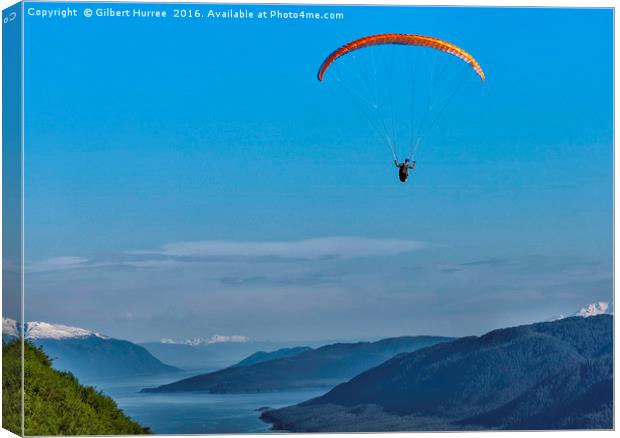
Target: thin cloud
pixel 58 264
pixel 174 255
pixel 318 248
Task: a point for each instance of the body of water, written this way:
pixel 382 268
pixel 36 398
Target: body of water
pixel 199 413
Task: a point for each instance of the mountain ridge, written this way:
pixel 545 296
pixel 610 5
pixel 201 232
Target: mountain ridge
pixel 264 356
pixel 473 383
pixel 321 367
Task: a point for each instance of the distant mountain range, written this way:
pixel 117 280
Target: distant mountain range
pixel 85 353
pixel 209 356
pixel 552 375
pixel 215 339
pixel 184 356
pixel 322 367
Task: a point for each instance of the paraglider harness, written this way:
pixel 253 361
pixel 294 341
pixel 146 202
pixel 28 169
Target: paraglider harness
pixel 403 169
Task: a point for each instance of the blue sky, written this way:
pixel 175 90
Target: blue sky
pixel 142 134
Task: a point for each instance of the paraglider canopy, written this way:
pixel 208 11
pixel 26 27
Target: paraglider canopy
pixel 401 93
pixel 405 40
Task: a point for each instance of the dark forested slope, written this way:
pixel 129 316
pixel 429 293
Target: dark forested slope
pixel 540 376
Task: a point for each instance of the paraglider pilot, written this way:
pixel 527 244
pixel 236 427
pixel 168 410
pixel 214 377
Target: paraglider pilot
pixel 403 169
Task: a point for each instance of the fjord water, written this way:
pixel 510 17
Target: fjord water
pixel 195 413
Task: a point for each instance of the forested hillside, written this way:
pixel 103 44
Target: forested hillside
pixel 55 402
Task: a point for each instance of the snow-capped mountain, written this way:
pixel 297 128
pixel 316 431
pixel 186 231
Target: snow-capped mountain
pixel 86 353
pixel 215 339
pixel 44 330
pixel 600 308
pixel 592 309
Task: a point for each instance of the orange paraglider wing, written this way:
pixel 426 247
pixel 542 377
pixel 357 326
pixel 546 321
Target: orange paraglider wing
pixel 401 39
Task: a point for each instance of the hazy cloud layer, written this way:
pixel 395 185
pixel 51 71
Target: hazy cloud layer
pixel 328 288
pixel 172 254
pixel 326 247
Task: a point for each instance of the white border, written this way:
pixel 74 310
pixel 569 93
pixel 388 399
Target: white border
pixel 482 3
